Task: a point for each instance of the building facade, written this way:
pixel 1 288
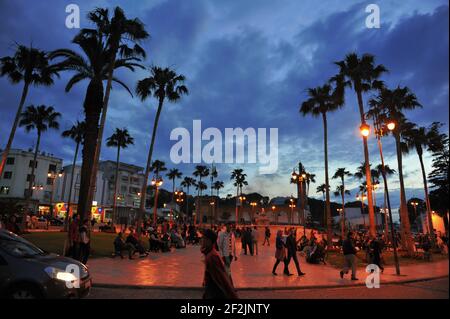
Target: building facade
pixel 14 182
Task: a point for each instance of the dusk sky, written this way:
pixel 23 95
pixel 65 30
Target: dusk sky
pixel 247 63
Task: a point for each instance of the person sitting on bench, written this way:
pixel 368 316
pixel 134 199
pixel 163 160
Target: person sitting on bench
pixel 133 240
pixel 120 245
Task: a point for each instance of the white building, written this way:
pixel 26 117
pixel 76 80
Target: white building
pixel 14 181
pixel 129 185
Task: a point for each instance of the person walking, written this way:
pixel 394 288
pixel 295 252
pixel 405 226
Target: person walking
pixel 227 247
pixel 291 245
pixel 349 251
pixel 267 236
pixel 280 251
pixel 85 242
pixel 217 282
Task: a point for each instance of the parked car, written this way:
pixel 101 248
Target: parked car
pixel 28 272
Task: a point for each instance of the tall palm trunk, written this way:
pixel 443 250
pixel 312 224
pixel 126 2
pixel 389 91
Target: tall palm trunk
pixel 69 200
pixel 14 128
pixel 237 207
pixel 427 199
pixel 187 202
pixel 66 219
pixel 343 210
pixel 31 181
pixel 147 167
pixel 92 107
pixel 327 182
pixel 98 148
pixel 372 226
pixel 217 206
pixel 116 184
pixel 405 224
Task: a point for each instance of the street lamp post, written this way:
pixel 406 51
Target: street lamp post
pixel 299 180
pixel 362 198
pixel 253 204
pixel 379 132
pixel 274 212
pixel 240 200
pixel 156 182
pixel 341 213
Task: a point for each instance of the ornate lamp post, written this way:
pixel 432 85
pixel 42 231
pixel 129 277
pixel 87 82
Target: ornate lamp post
pixel 341 213
pixel 362 197
pixel 241 204
pixel 274 212
pixel 156 182
pixel 300 180
pixel 253 204
pixel 291 206
pixel 380 130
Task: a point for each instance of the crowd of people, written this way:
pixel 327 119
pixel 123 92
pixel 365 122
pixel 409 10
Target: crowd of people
pixel 219 245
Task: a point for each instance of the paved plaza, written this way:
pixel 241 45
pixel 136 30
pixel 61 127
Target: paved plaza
pixel 183 268
pixel 430 289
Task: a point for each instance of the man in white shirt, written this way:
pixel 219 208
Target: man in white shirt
pixel 227 247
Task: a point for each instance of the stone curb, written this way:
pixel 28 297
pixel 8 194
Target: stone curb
pixel 406 281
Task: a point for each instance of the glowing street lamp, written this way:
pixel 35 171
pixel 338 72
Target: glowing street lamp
pixel 365 129
pixel 391 126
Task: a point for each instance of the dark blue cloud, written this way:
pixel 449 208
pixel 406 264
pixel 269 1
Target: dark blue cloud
pixel 247 65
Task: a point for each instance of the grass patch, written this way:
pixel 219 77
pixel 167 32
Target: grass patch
pixel 336 259
pixel 101 243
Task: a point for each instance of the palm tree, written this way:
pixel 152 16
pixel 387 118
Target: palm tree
pixel 39 118
pixel 187 182
pixel 341 173
pixel 322 100
pixel 391 104
pixel 30 66
pixel 361 74
pixel 322 188
pixel 239 181
pixel 76 133
pixel 200 172
pixel 417 138
pixel 310 178
pixel 122 38
pixel 162 84
pixel 120 139
pixel 218 185
pixel 173 174
pixel 158 167
pixel 93 66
